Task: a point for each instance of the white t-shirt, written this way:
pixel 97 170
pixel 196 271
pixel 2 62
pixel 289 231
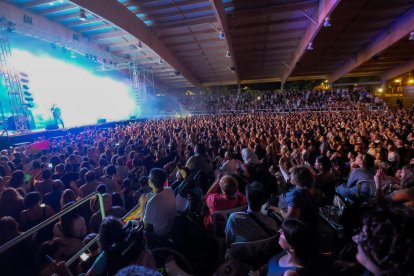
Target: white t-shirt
pixel 161 211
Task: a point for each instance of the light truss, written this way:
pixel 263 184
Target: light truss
pixel 141 78
pixel 19 114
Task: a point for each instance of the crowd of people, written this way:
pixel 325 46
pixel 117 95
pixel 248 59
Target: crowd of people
pixel 286 100
pixel 277 172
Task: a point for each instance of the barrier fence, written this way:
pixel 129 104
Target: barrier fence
pixel 48 221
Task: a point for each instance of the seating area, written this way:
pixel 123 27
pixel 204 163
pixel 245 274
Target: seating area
pixel 206 137
pixel 334 99
pixel 188 195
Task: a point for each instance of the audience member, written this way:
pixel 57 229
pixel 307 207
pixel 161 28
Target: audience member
pixel 298 253
pixel 251 225
pixel 160 210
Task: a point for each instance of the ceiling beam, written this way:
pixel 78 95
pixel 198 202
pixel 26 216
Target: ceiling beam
pixel 165 16
pixel 69 16
pixel 184 23
pixel 398 70
pixel 59 9
pixel 252 33
pixel 294 6
pixel 398 30
pixel 81 23
pixel 32 4
pixel 94 28
pixel 115 12
pixel 325 8
pixel 108 35
pixel 142 9
pixel 136 2
pixel 293 20
pixel 191 34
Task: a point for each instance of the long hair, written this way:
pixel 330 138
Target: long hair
pixel 67 221
pixel 388 238
pixel 10 201
pixel 301 238
pixel 111 232
pixel 302 177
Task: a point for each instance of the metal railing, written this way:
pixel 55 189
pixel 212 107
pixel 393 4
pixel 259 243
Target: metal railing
pixel 95 239
pixel 48 221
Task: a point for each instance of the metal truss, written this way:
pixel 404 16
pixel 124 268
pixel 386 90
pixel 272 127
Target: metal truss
pixel 141 78
pixel 12 81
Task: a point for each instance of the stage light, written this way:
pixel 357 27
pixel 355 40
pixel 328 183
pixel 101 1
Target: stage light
pixel 327 22
pixel 28 105
pixel 326 81
pixel 161 61
pixel 222 35
pixel 113 98
pixel 411 37
pixel 27 93
pixel 411 81
pixel 380 90
pixel 139 45
pixel 228 55
pixel 82 15
pixel 397 81
pixel 258 98
pixel 25 87
pixel 310 46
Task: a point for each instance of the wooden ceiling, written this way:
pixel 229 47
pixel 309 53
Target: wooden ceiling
pixel 264 40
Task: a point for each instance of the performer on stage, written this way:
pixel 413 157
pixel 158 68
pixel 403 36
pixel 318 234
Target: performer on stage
pixel 57 115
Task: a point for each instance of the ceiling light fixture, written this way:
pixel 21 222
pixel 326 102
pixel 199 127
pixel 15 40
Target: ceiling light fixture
pixel 310 46
pixel 222 35
pixel 411 37
pixel 82 15
pixel 327 22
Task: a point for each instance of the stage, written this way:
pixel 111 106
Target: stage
pixel 15 139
